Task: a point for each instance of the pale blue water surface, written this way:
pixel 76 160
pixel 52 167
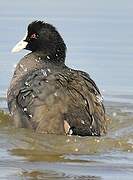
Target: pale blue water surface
pixel 99 38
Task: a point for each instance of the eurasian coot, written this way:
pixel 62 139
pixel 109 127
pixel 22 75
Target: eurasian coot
pixel 49 97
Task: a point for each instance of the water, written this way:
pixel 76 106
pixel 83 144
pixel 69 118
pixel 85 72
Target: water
pixel 99 38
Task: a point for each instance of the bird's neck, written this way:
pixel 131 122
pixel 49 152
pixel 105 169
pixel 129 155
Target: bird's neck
pixel 56 57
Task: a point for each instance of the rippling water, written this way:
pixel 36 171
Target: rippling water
pixel 99 38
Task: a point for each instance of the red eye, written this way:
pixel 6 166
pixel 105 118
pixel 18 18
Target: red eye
pixel 33 36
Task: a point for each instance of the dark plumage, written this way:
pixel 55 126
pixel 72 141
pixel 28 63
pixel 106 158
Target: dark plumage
pixel 49 97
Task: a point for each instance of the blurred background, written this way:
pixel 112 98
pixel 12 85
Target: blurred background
pixel 99 39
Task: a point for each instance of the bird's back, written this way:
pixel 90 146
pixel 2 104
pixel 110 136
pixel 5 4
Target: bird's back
pixel 56 99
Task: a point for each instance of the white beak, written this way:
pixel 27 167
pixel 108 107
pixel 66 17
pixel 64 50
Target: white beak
pixel 20 45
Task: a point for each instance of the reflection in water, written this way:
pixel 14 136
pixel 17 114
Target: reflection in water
pixel 53 156
pixel 53 175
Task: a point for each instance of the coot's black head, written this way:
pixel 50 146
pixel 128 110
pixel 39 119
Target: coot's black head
pixel 43 37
